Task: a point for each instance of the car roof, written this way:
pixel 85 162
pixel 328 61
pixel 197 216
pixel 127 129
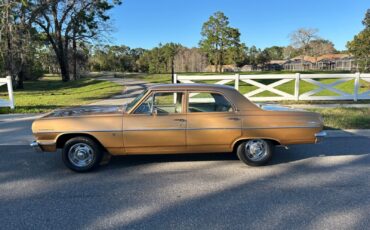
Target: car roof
pixel 190 86
pixel 231 93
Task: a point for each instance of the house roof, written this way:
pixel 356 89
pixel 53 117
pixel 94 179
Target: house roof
pixel 322 57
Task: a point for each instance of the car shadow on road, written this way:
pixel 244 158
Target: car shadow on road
pixel 339 146
pixel 330 147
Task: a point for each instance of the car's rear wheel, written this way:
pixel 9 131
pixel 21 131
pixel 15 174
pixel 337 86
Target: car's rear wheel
pixel 81 154
pixel 255 152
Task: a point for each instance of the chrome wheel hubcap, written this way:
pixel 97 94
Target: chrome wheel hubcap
pixel 256 149
pixel 81 155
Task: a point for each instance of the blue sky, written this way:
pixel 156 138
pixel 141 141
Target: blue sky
pixel 264 23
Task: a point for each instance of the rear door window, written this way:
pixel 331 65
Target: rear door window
pixel 208 102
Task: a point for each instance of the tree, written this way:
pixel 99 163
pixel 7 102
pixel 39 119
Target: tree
pixel 66 21
pixel 159 59
pixel 236 55
pixel 190 60
pixel 290 52
pixel 217 38
pixel 301 38
pixel 319 47
pixel 275 52
pixel 15 39
pixel 170 50
pixel 359 47
pixel 263 58
pixel 252 55
pixel 366 21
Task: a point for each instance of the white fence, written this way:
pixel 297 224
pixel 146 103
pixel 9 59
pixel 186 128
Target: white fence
pixel 294 93
pixel 7 103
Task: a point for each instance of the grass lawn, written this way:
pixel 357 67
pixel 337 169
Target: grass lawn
pixel 345 118
pixel 50 93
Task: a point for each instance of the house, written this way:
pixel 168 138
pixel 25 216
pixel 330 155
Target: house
pixel 225 68
pixel 247 68
pixel 323 62
pixel 336 62
pixel 297 65
pixel 274 65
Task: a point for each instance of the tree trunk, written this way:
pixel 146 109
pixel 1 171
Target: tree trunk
pixel 221 62
pixel 74 47
pixel 63 64
pixel 172 69
pixel 20 79
pixel 62 55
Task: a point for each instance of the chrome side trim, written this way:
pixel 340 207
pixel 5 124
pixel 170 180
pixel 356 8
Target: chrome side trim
pixel 284 127
pixel 163 129
pixel 221 128
pixel 78 131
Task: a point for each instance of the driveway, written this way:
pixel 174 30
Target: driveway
pixel 133 87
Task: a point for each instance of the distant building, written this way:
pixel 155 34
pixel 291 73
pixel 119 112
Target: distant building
pixel 274 65
pixel 336 62
pixel 225 68
pixel 323 62
pixel 247 68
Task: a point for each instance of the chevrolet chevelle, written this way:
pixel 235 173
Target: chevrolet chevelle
pixel 178 118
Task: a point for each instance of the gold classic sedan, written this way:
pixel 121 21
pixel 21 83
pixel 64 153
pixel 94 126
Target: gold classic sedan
pixel 174 118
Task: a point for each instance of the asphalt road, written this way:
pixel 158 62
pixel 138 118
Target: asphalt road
pixel 324 186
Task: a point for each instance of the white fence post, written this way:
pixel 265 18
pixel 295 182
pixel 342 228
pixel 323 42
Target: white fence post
pixel 296 86
pixel 237 78
pixel 10 91
pixel 357 86
pixel 175 79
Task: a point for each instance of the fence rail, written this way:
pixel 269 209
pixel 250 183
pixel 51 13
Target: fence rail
pixel 294 93
pixel 7 103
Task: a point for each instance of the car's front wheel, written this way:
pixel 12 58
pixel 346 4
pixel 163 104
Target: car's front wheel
pixel 255 152
pixel 81 154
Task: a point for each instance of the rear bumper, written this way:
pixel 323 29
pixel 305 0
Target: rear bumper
pixel 320 136
pixel 36 146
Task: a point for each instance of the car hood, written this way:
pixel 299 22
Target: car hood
pixel 85 111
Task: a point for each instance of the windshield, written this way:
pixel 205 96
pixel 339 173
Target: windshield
pixel 133 102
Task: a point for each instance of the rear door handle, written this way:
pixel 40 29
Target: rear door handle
pixel 234 118
pixel 181 120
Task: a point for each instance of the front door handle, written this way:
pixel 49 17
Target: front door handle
pixel 234 118
pixel 181 120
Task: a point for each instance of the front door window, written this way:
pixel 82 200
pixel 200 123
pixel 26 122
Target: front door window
pixel 162 103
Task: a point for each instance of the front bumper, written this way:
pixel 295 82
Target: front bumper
pixel 36 146
pixel 320 136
